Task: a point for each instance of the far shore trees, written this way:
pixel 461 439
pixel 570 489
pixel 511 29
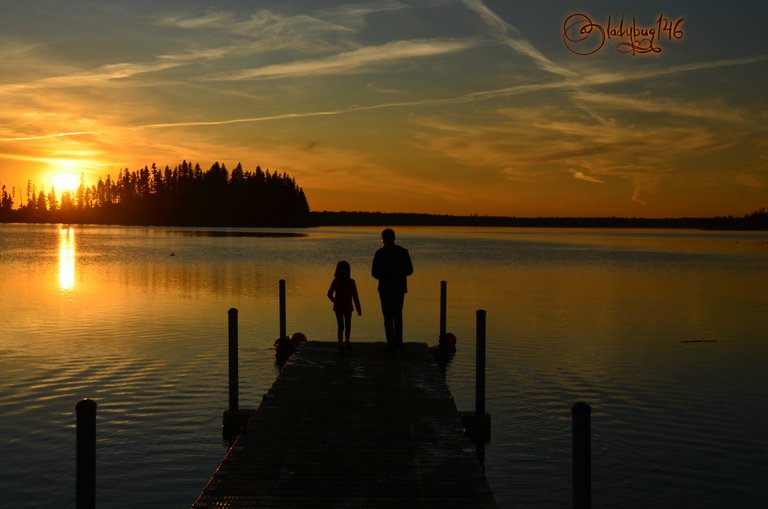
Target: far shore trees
pixel 185 195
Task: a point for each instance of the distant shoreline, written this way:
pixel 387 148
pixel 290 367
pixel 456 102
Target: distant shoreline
pixel 757 221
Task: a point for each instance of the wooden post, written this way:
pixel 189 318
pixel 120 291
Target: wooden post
pixel 443 302
pixel 234 418
pixel 85 478
pixel 282 308
pixel 477 424
pixel 582 461
pixel 233 362
pixel 480 364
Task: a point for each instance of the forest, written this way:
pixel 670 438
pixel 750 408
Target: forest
pixel 185 195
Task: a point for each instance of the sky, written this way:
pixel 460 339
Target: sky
pixel 488 107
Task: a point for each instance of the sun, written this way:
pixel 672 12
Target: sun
pixel 65 175
pixel 66 181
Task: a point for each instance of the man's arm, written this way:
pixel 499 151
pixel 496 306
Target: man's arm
pixel 407 265
pixel 376 266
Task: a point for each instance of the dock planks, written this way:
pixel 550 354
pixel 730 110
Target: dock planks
pixel 367 429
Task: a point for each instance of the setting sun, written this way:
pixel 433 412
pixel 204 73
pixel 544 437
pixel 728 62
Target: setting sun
pixel 65 174
pixel 66 181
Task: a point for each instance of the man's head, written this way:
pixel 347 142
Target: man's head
pixel 388 236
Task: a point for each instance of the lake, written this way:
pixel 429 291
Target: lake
pixel 662 332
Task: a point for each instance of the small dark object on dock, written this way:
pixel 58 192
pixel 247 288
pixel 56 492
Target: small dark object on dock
pixel 284 348
pixel 444 351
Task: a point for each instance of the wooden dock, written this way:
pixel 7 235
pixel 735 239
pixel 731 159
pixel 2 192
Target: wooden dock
pixel 366 429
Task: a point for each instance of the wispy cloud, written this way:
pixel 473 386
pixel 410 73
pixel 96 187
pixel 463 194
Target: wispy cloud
pixel 532 144
pixel 356 60
pixel 355 15
pixel 607 77
pixel 373 86
pixel 693 109
pixel 100 75
pixel 513 38
pixel 209 19
pixel 582 176
pixel 47 136
pixel 266 118
pixel 263 31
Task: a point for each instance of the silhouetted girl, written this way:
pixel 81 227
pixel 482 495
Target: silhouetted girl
pixel 343 293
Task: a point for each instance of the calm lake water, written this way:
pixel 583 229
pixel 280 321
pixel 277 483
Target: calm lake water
pixel 662 332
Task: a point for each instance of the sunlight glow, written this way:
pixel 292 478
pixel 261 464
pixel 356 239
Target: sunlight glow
pixel 65 181
pixel 66 176
pixel 66 258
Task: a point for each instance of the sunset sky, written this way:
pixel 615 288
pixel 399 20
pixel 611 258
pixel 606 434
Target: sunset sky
pixel 438 106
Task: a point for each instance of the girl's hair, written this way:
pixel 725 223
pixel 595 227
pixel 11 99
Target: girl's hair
pixel 343 270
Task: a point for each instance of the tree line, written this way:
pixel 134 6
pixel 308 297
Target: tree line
pixel 757 220
pixel 185 195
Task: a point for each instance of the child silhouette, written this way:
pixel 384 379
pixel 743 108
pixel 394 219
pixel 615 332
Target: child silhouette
pixel 343 293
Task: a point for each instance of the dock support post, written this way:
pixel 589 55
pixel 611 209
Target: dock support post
pixel 582 461
pixel 234 419
pixel 478 424
pixel 85 478
pixel 233 361
pixel 443 303
pixel 480 364
pixel 282 308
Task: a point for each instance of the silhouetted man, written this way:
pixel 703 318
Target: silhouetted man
pixel 392 266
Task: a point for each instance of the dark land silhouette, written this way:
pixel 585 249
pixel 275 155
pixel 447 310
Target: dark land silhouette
pixel 757 220
pixel 187 195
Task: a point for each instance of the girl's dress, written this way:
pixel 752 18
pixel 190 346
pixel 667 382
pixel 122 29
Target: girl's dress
pixel 345 295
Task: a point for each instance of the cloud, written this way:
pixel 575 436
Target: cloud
pixel 355 14
pixel 47 136
pixel 714 110
pixel 97 76
pixel 532 144
pixel 262 31
pixel 511 36
pixel 216 19
pixel 266 118
pixel 581 176
pixel 354 61
pixel 602 77
pixel 374 87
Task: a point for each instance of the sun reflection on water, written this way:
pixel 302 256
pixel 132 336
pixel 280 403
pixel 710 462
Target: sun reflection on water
pixel 66 258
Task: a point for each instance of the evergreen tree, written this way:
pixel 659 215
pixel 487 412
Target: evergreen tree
pixel 53 203
pixel 41 204
pixel 6 200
